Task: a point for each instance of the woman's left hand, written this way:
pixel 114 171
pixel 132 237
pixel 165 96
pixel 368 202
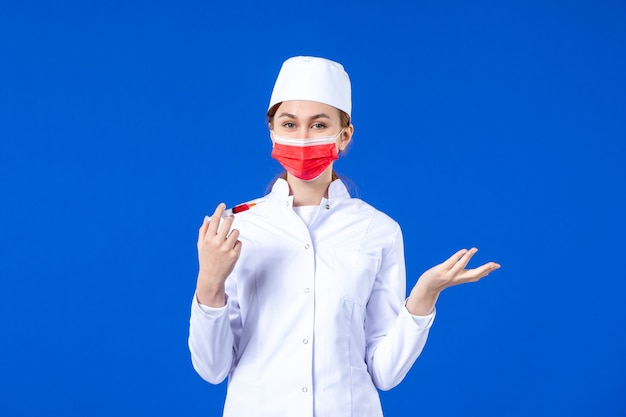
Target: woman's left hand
pixel 447 274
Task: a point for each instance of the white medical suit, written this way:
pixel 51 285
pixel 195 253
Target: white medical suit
pixel 315 319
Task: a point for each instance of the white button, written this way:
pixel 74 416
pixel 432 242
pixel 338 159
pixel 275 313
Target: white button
pixel 287 203
pixel 305 341
pixel 306 290
pixel 305 389
pixel 307 246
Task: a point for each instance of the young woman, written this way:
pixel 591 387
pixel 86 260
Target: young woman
pixel 301 298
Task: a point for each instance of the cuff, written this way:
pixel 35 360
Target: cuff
pixel 214 312
pixel 423 322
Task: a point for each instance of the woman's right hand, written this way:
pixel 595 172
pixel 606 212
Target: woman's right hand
pixel 218 251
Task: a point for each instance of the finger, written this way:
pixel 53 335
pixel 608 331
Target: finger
pixel 451 261
pixel 225 227
pixel 478 273
pixel 203 228
pixel 215 219
pixel 232 238
pixel 462 263
pixel 237 248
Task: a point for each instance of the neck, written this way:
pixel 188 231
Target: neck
pixel 310 193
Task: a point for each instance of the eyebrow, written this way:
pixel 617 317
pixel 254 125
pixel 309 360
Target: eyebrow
pixel 317 116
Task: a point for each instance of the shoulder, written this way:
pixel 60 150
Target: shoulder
pixel 378 229
pixel 378 217
pixel 261 214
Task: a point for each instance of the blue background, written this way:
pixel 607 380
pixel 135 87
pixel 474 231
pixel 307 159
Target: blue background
pixel 500 125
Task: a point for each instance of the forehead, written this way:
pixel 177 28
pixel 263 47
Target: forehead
pixel 305 108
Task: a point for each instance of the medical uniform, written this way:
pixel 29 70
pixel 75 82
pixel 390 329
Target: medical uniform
pixel 315 319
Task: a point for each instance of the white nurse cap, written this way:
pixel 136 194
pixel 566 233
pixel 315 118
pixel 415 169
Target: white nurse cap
pixel 313 79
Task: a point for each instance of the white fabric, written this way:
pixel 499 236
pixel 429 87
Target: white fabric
pixel 421 321
pixel 314 79
pixel 316 318
pixel 307 213
pixel 304 142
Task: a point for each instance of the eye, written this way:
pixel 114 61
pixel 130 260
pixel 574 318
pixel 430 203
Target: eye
pixel 289 125
pixel 319 125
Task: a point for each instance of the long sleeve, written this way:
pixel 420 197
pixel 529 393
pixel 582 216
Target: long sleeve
pixel 394 339
pixel 210 342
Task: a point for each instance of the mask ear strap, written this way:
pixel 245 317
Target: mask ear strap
pixel 340 151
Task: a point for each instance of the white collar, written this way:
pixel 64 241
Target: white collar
pixel 280 192
pixel 336 190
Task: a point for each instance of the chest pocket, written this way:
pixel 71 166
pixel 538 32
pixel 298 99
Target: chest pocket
pixel 354 274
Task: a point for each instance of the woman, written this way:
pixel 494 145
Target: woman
pixel 300 299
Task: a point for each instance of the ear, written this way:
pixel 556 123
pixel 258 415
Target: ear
pixel 346 137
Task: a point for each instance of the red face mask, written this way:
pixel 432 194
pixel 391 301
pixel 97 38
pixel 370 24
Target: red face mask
pixel 305 159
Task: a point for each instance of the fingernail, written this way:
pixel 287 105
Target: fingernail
pixel 206 219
